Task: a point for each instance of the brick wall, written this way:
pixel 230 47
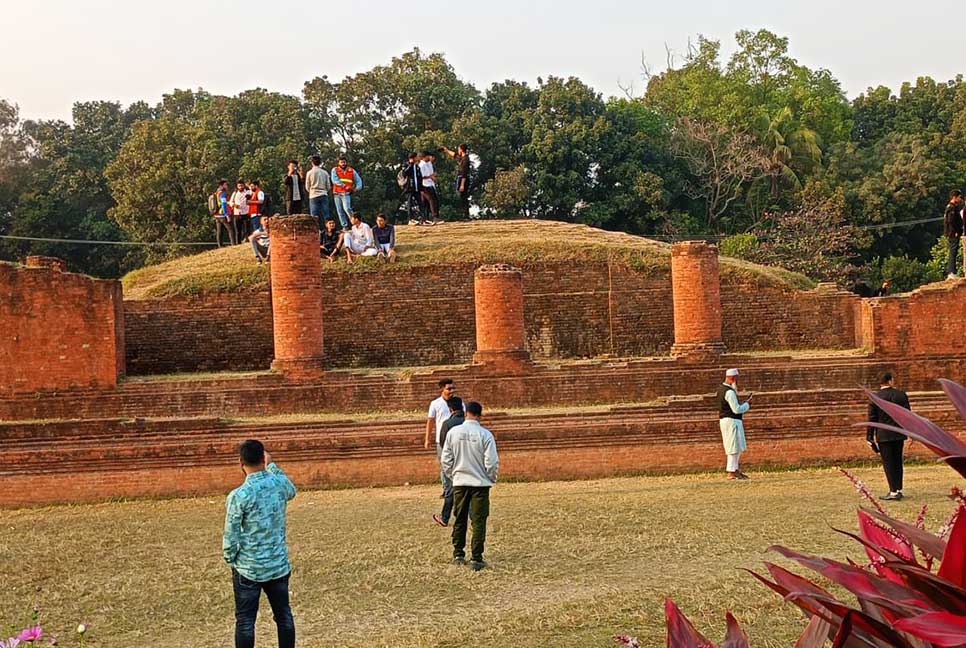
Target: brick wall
pixel 60 329
pixel 926 322
pixel 425 316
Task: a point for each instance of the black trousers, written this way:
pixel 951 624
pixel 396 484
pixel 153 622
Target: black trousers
pixel 891 453
pixel 953 247
pixel 247 593
pixel 470 502
pixel 293 207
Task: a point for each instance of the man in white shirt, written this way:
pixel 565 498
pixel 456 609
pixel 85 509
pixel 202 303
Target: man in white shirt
pixel 730 423
pixel 239 209
pixel 438 415
pixel 428 190
pixel 359 240
pixel 470 460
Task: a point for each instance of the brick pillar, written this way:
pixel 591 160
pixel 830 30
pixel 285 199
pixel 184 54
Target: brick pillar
pixel 37 261
pixel 296 270
pixel 696 288
pixel 500 332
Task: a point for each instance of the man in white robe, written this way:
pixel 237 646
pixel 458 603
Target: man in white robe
pixel 730 412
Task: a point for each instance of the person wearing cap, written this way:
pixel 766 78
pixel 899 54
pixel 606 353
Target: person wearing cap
pixel 730 412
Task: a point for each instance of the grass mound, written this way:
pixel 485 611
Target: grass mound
pixel 518 242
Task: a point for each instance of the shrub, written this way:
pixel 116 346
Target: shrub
pixel 903 602
pixel 908 274
pixel 740 246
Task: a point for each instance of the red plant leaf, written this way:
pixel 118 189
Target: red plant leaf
pixel 941 628
pixel 734 638
pixel 680 632
pixel 928 542
pixel 859 625
pixel 872 532
pixel 953 565
pixel 949 448
pixel 803 599
pixel 956 394
pixel 942 595
pixel 815 634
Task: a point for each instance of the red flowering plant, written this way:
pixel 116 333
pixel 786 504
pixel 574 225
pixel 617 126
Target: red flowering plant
pixel 903 602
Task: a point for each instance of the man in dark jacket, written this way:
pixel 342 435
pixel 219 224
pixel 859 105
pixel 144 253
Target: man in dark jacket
pixel 295 192
pixel 412 201
pixel 953 229
pixel 456 417
pixel 886 442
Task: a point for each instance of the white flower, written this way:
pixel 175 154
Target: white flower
pixel 81 629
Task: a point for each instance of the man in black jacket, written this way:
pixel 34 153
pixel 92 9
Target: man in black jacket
pixel 295 192
pixel 456 417
pixel 886 442
pixel 412 181
pixel 953 229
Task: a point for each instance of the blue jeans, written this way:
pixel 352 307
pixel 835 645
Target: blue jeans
pixel 319 207
pixel 447 488
pixel 247 593
pixel 343 205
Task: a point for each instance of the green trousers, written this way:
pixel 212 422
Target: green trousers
pixel 470 503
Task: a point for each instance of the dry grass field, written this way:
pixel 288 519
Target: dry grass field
pixel 519 242
pixel 571 563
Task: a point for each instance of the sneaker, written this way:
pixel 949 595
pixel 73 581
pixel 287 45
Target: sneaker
pixel 437 221
pixel 952 276
pixel 741 475
pixel 459 560
pixel 413 221
pixel 477 565
pixel 891 496
pixel 439 520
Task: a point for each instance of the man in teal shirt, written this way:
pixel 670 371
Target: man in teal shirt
pixel 254 545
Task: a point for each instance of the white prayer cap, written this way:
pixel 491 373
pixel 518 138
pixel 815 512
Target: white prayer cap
pixel 731 372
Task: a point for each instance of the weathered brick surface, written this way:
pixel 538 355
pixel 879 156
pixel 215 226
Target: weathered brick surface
pixel 55 462
pixel 928 321
pixel 696 288
pixel 398 319
pixel 60 329
pixel 296 271
pixel 500 326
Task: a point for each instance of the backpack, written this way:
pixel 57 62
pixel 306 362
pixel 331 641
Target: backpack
pixel 402 178
pixel 213 206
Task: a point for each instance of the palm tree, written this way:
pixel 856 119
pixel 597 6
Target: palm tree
pixel 792 149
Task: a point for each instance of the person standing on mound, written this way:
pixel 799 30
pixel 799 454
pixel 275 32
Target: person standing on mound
pixel 470 460
pixel 729 420
pixel 254 545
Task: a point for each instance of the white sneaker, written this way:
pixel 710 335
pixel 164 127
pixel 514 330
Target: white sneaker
pixel 952 276
pixel 413 221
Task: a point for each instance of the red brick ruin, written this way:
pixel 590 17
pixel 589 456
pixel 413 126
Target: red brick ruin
pixel 696 288
pixel 296 271
pixel 648 345
pixel 500 331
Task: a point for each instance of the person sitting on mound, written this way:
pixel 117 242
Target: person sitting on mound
pixel 385 235
pixel 359 240
pixel 260 241
pixel 330 240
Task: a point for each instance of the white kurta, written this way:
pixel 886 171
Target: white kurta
pixel 732 430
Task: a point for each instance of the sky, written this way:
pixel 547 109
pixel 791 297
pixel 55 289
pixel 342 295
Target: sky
pixel 56 52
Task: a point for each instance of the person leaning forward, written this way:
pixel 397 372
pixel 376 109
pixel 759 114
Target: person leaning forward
pixel 254 545
pixel 730 423
pixel 888 443
pixel 470 460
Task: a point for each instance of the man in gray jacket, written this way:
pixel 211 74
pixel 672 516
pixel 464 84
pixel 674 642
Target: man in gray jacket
pixel 469 458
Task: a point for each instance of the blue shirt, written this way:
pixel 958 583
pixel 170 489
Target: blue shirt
pixel 254 540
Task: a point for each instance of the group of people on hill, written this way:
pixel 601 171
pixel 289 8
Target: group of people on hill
pixel 241 213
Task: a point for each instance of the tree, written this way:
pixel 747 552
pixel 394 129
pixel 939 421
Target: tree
pixel 721 160
pixel 791 149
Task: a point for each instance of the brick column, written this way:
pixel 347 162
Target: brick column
pixel 296 270
pixel 696 288
pixel 500 332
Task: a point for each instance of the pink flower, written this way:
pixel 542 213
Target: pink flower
pixel 31 634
